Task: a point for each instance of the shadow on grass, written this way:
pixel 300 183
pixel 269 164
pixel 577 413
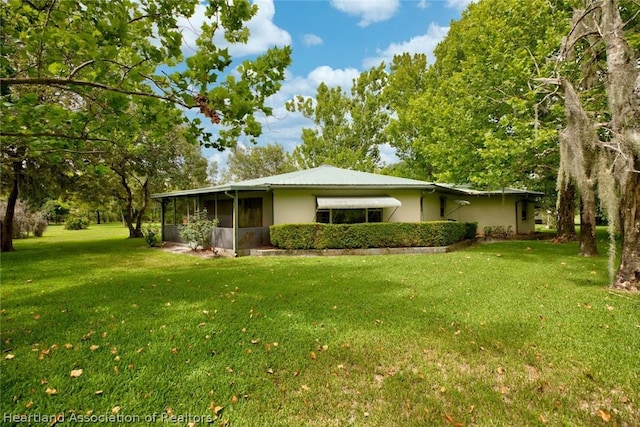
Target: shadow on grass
pixel 169 329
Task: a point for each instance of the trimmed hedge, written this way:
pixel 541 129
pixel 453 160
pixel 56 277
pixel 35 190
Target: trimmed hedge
pixel 370 235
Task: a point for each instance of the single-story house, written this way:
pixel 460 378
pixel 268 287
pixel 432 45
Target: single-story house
pixel 328 194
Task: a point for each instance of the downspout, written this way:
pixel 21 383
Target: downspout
pixel 235 221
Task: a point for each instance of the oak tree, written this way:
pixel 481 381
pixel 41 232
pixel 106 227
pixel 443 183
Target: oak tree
pixel 67 66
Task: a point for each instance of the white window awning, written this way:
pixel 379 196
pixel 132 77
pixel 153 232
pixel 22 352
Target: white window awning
pixel 357 202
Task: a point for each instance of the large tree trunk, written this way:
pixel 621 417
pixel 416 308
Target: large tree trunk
pixel 628 275
pixel 623 93
pixel 588 244
pixel 566 211
pixel 130 216
pixel 6 234
pixel 143 208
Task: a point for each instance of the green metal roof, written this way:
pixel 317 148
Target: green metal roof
pixel 470 191
pixel 325 176
pixel 331 177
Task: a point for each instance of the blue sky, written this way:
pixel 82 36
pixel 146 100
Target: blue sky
pixel 333 41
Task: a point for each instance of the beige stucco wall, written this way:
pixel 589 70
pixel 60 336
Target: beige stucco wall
pixel 299 206
pixel 485 210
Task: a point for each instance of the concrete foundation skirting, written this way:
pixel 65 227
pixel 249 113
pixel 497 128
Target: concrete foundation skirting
pixel 369 251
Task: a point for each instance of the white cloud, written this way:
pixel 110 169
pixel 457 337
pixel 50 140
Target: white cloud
pixel 333 77
pixel 423 4
pixel 263 32
pixel 459 4
pixel 388 154
pixel 369 11
pixel 425 43
pixel 311 40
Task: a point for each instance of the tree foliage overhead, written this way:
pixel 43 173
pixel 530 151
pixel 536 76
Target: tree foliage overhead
pixel 257 162
pixel 348 127
pixel 479 119
pixel 56 55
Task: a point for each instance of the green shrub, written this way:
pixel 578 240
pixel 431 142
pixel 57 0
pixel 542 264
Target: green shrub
pixel 76 222
pixel 497 231
pixel 199 230
pixel 152 235
pixel 471 230
pixel 369 235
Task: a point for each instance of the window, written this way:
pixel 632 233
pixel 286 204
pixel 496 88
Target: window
pixel 323 216
pixel 443 206
pixel 524 209
pixel 348 216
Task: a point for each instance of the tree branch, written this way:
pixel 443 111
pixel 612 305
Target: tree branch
pixel 50 81
pixel 52 135
pixel 80 67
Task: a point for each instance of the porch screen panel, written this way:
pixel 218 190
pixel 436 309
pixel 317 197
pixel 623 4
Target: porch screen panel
pixel 250 212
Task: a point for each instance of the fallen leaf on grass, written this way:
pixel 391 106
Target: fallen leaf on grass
pixel 313 356
pixel 76 373
pixel 29 404
pixel 10 356
pixel 98 392
pixel 175 350
pixel 115 410
pixel 606 417
pixel 449 419
pixel 68 346
pixel 215 408
pixel 234 399
pixel 51 391
pixel 94 347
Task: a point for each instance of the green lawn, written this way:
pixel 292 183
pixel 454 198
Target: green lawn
pixel 516 333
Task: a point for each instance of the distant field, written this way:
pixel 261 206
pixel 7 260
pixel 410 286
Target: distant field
pixel 97 327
